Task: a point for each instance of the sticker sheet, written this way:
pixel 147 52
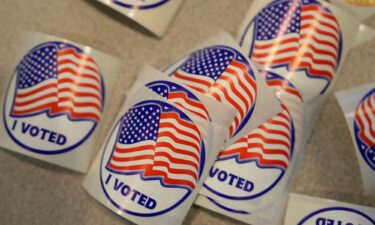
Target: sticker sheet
pixel 360 8
pixel 358 106
pixel 219 69
pixel 154 15
pixel 305 210
pixel 158 152
pixel 254 171
pixel 300 46
pixel 55 99
pixel 306 42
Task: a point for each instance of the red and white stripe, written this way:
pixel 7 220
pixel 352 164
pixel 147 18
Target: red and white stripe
pixel 194 107
pixel 175 156
pixel 234 87
pixel 365 119
pixel 79 85
pixel 201 84
pixel 292 100
pixel 269 144
pixel 77 90
pixel 35 99
pixel 281 50
pixel 315 49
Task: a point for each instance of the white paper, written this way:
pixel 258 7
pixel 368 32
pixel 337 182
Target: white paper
pixel 259 166
pixel 154 15
pixel 54 101
pixel 305 210
pixel 331 46
pixel 169 199
pixel 360 8
pixel 358 106
pixel 210 64
pixel 365 34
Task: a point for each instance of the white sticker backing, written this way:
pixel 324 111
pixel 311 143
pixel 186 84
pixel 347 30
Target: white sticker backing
pixel 305 210
pixel 158 152
pixel 55 100
pixel 154 15
pixel 358 106
pixel 360 8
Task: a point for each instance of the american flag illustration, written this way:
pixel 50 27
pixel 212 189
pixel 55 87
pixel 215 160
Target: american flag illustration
pixel 288 94
pixel 58 78
pixel 157 140
pixel 224 74
pixel 364 120
pixel 271 144
pixel 185 100
pixel 301 35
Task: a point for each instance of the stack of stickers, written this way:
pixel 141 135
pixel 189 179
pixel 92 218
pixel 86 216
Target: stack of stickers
pixel 173 126
pixel 223 126
pixel 299 47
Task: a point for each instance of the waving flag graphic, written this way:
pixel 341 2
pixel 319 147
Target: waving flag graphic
pixel 185 100
pixel 271 145
pixel 158 141
pixel 58 78
pixel 302 35
pixel 364 126
pixel 224 74
pixel 287 93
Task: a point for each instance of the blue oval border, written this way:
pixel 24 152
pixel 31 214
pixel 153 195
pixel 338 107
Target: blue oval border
pixel 126 210
pixel 265 191
pixel 341 44
pixel 130 6
pixel 304 220
pixel 356 133
pixel 43 152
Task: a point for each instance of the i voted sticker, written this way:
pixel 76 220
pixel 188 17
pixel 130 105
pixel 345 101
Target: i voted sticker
pixel 223 73
pixel 302 37
pixel 55 89
pixel 337 216
pixel 255 164
pixel 152 160
pixel 364 131
pixel 140 4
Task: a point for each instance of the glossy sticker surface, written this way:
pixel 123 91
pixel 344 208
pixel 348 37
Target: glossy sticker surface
pixel 139 4
pixel 224 74
pixel 55 88
pixel 185 100
pixel 358 107
pixel 254 165
pixel 303 37
pixel 158 149
pixel 364 128
pixel 337 215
